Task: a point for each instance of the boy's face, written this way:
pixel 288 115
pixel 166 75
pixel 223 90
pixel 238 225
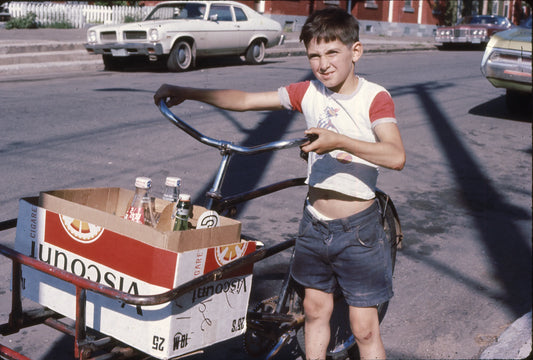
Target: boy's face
pixel 333 62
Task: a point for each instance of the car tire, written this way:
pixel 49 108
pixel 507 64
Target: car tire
pixel 181 57
pixel 518 102
pixel 111 63
pixel 255 54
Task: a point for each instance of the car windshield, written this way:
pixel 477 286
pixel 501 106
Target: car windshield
pixel 178 11
pixel 484 20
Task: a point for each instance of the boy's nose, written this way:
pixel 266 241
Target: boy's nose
pixel 324 64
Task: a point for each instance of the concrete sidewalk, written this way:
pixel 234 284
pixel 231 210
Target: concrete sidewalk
pixel 31 51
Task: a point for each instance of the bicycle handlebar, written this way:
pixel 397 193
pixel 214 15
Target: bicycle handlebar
pixel 226 146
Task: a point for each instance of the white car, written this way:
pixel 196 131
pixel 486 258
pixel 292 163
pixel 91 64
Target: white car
pixel 182 31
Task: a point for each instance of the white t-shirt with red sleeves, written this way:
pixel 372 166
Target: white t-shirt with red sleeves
pixel 353 115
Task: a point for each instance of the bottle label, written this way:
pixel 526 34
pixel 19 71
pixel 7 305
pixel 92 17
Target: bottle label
pixel 135 214
pixel 183 213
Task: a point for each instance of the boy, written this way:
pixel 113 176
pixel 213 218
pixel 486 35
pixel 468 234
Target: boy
pixel 340 242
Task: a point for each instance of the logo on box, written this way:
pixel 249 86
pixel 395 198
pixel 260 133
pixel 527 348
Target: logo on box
pixel 79 230
pixel 226 254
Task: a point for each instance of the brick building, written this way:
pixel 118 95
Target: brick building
pixel 386 17
pixel 382 17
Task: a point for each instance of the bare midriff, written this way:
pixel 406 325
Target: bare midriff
pixel 335 205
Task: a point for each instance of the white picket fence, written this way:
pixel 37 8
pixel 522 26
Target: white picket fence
pixel 77 15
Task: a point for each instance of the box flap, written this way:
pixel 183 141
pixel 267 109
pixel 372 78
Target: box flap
pixel 105 207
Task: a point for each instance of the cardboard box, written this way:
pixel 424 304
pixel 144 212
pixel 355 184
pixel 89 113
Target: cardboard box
pixel 90 249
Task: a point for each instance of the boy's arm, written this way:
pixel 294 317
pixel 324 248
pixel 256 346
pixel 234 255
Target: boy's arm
pixel 234 100
pixel 387 152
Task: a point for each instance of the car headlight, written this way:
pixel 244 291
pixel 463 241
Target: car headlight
pixel 91 36
pixel 153 35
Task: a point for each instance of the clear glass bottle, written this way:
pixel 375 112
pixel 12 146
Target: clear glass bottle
pixel 172 189
pixel 140 209
pixel 183 209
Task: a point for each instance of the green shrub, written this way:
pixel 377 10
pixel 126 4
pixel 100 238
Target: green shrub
pixel 131 19
pixel 60 25
pixel 25 22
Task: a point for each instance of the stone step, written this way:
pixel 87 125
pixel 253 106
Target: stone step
pixel 16 47
pixel 51 67
pixel 46 57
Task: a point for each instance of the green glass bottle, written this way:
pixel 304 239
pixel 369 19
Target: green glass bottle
pixel 183 209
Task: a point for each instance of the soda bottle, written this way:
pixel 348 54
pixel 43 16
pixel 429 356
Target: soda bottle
pixel 172 189
pixel 140 210
pixel 182 212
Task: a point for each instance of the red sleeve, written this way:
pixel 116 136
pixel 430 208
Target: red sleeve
pixel 296 93
pixel 382 107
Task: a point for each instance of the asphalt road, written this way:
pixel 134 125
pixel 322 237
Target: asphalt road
pixel 464 198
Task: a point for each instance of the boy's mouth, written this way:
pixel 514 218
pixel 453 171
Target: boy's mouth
pixel 327 75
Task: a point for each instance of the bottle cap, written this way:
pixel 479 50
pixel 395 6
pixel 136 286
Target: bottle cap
pixel 173 181
pixel 185 197
pixel 143 182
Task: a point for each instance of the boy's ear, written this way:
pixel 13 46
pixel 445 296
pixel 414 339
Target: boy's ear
pixel 357 51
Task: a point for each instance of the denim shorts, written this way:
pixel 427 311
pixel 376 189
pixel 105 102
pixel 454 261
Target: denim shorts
pixel 349 253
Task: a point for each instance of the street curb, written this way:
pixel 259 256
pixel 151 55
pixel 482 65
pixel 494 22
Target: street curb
pixel 31 58
pixel 21 47
pixel 513 343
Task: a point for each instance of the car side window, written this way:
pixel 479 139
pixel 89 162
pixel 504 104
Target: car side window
pixel 195 11
pixel 220 13
pixel 239 14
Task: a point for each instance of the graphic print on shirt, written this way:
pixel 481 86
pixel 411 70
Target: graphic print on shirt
pixel 325 122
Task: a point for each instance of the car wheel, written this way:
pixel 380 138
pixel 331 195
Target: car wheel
pixel 255 54
pixel 111 63
pixel 518 102
pixel 181 57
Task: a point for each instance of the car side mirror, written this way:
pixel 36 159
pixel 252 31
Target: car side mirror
pixel 213 17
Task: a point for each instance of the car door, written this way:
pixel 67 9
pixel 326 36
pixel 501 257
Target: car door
pixel 247 28
pixel 222 30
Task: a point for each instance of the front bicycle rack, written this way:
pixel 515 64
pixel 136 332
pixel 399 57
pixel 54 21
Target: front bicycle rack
pixel 85 344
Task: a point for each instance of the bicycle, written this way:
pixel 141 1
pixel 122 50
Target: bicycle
pixel 271 324
pixel 275 321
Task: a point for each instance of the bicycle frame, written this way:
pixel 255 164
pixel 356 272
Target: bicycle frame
pixel 227 149
pixel 283 320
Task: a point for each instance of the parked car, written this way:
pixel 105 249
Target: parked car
pixel 182 31
pixel 472 30
pixel 4 13
pixel 506 64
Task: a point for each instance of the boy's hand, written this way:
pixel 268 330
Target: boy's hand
pixel 320 141
pixel 169 93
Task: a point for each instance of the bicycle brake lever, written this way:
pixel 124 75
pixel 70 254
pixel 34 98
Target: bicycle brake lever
pixel 311 138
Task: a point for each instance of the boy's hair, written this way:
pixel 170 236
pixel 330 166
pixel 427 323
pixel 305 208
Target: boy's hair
pixel 330 24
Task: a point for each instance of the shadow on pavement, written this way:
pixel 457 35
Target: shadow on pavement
pixel 498 108
pixel 494 217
